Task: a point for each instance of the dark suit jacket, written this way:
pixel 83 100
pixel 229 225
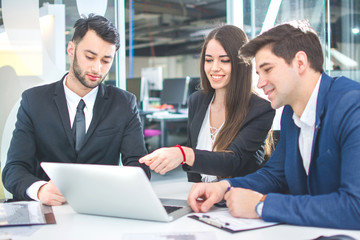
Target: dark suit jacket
pixel 330 195
pixel 43 134
pixel 247 149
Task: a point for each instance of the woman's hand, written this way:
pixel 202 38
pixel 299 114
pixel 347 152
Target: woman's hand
pixel 164 160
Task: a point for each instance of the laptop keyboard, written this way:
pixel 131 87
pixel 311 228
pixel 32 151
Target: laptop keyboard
pixel 170 209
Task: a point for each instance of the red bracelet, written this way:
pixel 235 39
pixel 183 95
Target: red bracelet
pixel 183 153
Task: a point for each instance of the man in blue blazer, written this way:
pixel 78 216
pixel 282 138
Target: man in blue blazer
pixel 46 118
pixel 312 178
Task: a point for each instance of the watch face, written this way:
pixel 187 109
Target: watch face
pixel 259 208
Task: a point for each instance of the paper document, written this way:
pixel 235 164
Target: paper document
pixel 25 213
pixel 222 219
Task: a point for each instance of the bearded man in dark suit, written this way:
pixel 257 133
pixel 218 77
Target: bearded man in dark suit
pixel 45 127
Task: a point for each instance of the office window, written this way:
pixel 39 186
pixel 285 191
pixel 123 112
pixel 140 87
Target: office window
pixel 262 15
pixel 169 34
pixel 336 21
pixel 345 38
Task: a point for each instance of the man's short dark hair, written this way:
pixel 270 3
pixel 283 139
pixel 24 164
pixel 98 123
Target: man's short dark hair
pixel 286 40
pixel 101 25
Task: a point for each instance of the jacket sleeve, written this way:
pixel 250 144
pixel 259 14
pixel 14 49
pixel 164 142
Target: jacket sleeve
pixel 19 171
pixel 249 139
pixel 271 177
pixel 133 145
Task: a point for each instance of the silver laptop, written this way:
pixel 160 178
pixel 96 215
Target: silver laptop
pixel 115 191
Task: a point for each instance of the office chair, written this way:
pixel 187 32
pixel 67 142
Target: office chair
pixel 150 133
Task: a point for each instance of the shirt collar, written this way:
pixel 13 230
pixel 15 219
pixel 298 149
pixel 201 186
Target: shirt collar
pixel 309 114
pixel 74 99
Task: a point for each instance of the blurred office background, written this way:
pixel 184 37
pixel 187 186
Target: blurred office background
pixel 164 35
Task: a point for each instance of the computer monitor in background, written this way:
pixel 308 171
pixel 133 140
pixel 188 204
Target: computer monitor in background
pixel 139 87
pixel 153 76
pixel 194 85
pixel 133 85
pixel 175 92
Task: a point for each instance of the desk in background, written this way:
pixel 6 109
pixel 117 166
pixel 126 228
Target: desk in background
pixel 163 118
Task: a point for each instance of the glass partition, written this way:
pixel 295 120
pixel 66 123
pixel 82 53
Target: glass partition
pixel 169 34
pixel 336 21
pixel 345 38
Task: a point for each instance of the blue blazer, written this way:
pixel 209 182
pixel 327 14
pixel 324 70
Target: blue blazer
pixel 330 195
pixel 43 134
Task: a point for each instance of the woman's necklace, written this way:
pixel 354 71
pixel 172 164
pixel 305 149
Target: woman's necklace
pixel 213 133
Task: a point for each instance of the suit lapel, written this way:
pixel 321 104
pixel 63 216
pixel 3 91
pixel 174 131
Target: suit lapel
pixel 199 118
pixel 325 85
pixel 60 101
pixel 298 175
pixel 98 111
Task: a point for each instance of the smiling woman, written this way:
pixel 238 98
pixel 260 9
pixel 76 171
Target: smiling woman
pixel 227 123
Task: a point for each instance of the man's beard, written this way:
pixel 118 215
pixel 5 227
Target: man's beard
pixel 81 77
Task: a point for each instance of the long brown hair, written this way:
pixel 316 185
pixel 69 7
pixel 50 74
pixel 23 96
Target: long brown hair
pixel 238 91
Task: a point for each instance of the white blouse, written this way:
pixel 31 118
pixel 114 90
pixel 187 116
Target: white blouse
pixel 206 141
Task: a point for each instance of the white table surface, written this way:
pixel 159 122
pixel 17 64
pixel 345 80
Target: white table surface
pixel 71 225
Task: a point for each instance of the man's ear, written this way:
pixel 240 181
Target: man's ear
pixel 71 49
pixel 301 61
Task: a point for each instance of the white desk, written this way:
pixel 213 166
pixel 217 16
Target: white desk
pixel 71 225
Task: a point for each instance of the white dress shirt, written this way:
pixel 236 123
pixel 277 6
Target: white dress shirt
pixel 72 100
pixel 205 142
pixel 306 123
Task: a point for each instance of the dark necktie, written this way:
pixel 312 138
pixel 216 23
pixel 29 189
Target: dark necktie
pixel 79 126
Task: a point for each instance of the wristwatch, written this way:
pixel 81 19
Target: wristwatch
pixel 259 206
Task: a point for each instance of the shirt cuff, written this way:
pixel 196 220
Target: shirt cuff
pixel 33 190
pixel 226 180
